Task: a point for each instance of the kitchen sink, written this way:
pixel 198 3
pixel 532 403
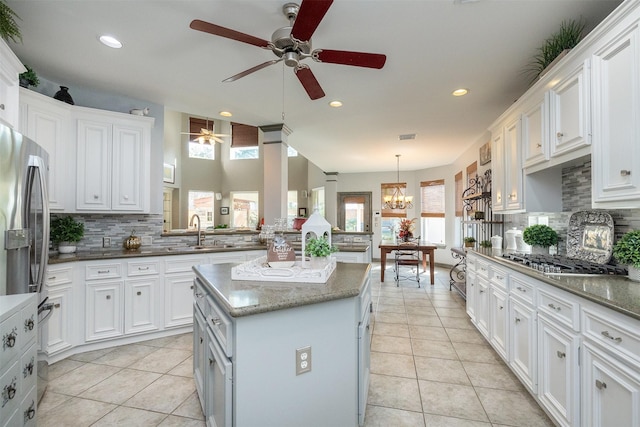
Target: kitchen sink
pixel 186 248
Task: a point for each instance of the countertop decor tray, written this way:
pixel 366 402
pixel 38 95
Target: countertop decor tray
pixel 258 270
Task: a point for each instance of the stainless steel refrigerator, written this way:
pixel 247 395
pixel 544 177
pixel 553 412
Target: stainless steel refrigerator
pixel 24 222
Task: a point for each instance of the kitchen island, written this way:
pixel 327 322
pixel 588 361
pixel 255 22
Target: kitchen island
pixel 285 354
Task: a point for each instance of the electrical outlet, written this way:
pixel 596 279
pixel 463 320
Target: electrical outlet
pixel 147 240
pixel 357 239
pixel 106 242
pixel 303 360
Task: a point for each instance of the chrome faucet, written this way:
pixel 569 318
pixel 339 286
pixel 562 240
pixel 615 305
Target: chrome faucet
pixel 200 236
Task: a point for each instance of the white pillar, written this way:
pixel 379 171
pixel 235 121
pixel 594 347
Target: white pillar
pixel 331 197
pixel 276 173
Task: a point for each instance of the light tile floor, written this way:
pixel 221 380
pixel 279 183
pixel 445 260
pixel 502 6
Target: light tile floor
pixel 429 368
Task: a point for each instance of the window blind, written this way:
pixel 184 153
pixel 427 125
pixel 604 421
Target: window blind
pixel 243 135
pixel 196 125
pixel 458 191
pixel 432 198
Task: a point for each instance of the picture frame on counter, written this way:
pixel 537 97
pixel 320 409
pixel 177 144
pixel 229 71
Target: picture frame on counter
pixel 169 174
pixel 485 153
pixel 224 210
pixel 302 212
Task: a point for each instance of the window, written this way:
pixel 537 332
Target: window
pixel 354 213
pixel 201 204
pixel 292 152
pixel 292 206
pixel 198 147
pixel 317 200
pixel 245 209
pixel 432 203
pixel 244 142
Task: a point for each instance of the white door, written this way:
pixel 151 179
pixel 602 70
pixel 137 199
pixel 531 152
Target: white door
pixel 93 191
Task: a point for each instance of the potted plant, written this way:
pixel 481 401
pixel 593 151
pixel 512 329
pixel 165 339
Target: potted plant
pixel 9 29
pixel 627 251
pixel 29 78
pixel 318 248
pixel 485 244
pixel 406 229
pixel 556 46
pixel 66 232
pixel 540 237
pixel 469 242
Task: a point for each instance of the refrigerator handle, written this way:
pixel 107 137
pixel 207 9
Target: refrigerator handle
pixel 37 163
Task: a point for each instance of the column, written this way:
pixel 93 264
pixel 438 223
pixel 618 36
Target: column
pixel 276 177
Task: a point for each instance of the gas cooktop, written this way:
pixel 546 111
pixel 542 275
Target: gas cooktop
pixel 558 264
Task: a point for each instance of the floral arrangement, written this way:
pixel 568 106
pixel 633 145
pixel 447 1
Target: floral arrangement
pixel 406 228
pixel 319 246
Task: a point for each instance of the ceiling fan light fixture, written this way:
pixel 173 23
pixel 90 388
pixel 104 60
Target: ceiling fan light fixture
pixel 460 92
pixel 225 113
pixel 335 104
pixel 110 41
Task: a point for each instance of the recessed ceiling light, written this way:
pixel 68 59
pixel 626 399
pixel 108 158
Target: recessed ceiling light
pixel 110 41
pixel 335 104
pixel 225 114
pixel 460 92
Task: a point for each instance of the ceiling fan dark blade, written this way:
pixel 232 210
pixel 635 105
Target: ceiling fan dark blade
pixel 217 30
pixel 309 82
pixel 252 70
pixel 309 16
pixel 356 59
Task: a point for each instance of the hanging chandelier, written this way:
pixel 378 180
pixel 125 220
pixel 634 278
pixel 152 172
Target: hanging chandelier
pixel 398 200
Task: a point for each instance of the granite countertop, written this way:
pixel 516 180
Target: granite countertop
pixel 615 292
pixel 246 297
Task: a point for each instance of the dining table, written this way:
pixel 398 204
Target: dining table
pixel 425 248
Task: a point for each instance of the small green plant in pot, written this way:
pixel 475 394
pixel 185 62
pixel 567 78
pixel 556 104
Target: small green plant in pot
pixel 29 78
pixel 318 248
pixel 627 252
pixel 469 242
pixel 485 244
pixel 540 236
pixel 66 232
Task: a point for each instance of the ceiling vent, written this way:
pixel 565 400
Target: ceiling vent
pixel 407 136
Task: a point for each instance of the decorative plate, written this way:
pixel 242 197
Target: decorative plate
pixel 590 236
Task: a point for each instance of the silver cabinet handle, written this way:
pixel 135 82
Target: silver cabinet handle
pixel 9 340
pixel 191 287
pixel 553 307
pixel 607 335
pixel 143 268
pixel 501 307
pixel 625 172
pixel 561 355
pixel 559 134
pixel 521 289
pixel 9 391
pixel 95 197
pixel 481 291
pixel 52 278
pixel 211 361
pixel 56 305
pixel 28 325
pixel 517 319
pixel 103 271
pixel 1 106
pixel 601 385
pixel 538 145
pixel 216 320
pixel 28 369
pixel 199 295
pixel 201 340
pixel 499 277
pixel 108 296
pixel 30 412
pixel 138 293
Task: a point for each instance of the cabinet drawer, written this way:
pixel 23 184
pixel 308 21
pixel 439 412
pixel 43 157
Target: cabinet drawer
pixel 498 277
pixel 365 298
pixel 103 271
pixel 612 331
pixel 181 264
pixel 28 371
pixel 11 335
pixel 200 298
pixel 482 269
pixel 59 276
pixel 559 308
pixel 221 325
pixel 10 388
pixel 142 268
pixel 471 263
pixel 28 327
pixel 521 290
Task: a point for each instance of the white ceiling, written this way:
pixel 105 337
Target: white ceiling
pixel 432 48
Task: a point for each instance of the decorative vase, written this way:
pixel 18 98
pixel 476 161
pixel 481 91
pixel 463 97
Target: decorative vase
pixel 318 262
pixel 634 273
pixel 24 82
pixel 63 95
pixel 539 250
pixel 66 247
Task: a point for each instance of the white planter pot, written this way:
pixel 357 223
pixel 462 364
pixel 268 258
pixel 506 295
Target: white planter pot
pixel 66 247
pixel 319 262
pixel 634 273
pixel 540 250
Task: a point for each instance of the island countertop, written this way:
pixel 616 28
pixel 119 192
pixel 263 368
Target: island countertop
pixel 246 297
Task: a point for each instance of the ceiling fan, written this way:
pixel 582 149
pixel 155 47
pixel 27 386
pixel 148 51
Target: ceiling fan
pixel 292 44
pixel 206 135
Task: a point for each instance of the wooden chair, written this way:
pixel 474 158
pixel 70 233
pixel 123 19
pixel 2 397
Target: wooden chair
pixel 407 256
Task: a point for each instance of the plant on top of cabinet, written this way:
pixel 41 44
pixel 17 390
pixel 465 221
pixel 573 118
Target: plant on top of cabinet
pixel 319 247
pixel 485 244
pixel 65 232
pixel 29 78
pixel 540 235
pixel 469 242
pixel 566 38
pixel 627 251
pixel 9 29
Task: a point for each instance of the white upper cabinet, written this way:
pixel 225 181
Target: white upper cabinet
pixel 616 127
pixel 506 190
pixel 47 121
pixel 10 69
pixel 535 134
pixel 570 115
pixel 113 169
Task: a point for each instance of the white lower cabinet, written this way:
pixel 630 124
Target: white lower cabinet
pixel 199 352
pixel 58 330
pixel 105 310
pixel 141 301
pixel 559 379
pixel 498 312
pixel 482 306
pixel 523 342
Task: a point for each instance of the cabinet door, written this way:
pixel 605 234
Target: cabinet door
pixel 57 329
pixel 178 300
pixel 482 306
pixel 129 169
pixel 535 140
pixel 104 310
pixel 559 380
pixel 569 103
pixel 523 343
pixel 471 294
pixel 513 166
pixel 616 127
pixel 48 124
pixel 218 386
pixel 610 390
pixel 200 345
pixel 497 170
pixel 498 313
pixel 93 191
pixel 141 302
